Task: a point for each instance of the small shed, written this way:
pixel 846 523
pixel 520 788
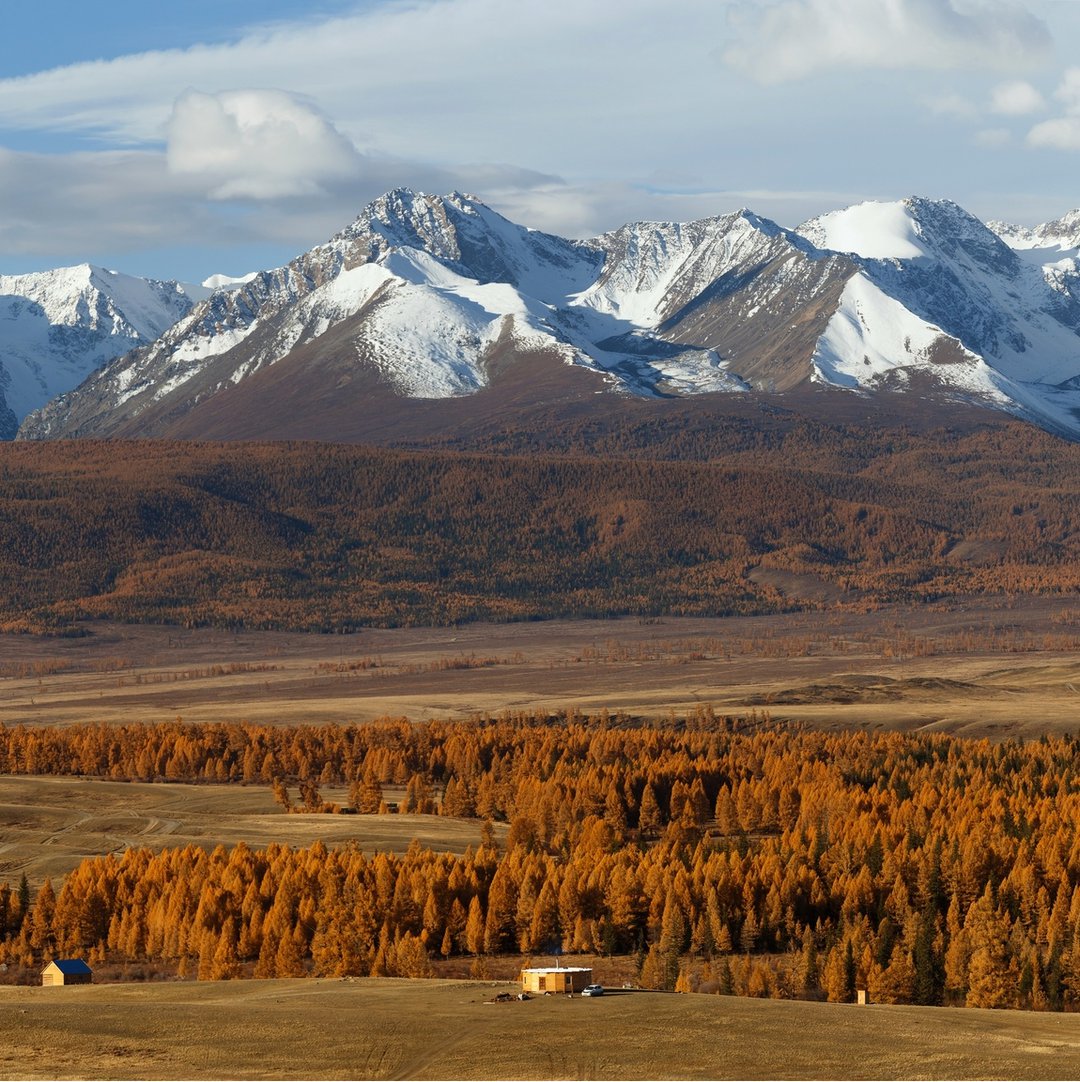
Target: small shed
pixel 67 971
pixel 558 979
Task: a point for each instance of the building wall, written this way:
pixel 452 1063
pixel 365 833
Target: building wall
pixel 557 981
pixel 51 976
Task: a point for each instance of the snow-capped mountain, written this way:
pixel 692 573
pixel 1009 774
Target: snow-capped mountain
pixel 431 298
pixel 224 281
pixel 938 293
pixel 1050 241
pixel 58 326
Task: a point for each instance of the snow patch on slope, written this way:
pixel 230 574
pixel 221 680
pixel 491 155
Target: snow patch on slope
pixel 873 336
pixel 871 230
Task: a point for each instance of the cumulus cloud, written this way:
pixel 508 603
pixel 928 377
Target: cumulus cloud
pixel 256 144
pixel 1068 93
pixel 1016 98
pixel 790 39
pixel 1061 133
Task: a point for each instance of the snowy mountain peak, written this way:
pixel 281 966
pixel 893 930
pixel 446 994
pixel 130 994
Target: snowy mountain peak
pixel 1049 242
pixel 427 296
pixel 225 281
pixel 913 228
pixel 60 325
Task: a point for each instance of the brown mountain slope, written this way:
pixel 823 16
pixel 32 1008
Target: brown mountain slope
pixel 318 389
pixel 792 514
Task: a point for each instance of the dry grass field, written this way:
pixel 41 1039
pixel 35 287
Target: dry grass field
pixel 989 670
pixel 48 825
pixel 381 1028
pixel 994 670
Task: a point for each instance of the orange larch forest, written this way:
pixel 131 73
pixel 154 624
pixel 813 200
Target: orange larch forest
pixel 724 854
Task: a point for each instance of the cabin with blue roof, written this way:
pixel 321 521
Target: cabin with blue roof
pixel 67 971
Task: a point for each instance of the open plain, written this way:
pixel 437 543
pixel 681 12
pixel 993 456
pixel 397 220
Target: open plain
pixel 1004 668
pixel 1001 667
pixel 49 824
pixel 386 1028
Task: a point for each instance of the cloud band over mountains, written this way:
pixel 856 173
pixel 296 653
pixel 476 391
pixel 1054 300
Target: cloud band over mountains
pixel 573 116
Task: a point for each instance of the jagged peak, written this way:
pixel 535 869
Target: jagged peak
pixel 695 227
pixel 763 225
pixel 405 216
pixel 944 214
pixel 1061 234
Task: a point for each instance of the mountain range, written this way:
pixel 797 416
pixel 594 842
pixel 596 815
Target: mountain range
pixel 59 326
pixel 426 305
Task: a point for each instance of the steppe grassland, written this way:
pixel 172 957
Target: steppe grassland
pixel 384 1028
pixel 996 669
pixel 48 825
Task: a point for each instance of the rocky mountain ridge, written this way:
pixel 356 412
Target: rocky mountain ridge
pixel 59 326
pixel 436 298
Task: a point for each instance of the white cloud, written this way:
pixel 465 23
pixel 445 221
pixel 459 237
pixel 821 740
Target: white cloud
pixel 442 78
pixel 1069 90
pixel 1016 98
pixel 1061 133
pixel 256 144
pixel 791 39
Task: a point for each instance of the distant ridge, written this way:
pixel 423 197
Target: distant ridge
pixel 438 298
pixel 58 326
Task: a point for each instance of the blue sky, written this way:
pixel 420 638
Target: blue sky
pixel 184 140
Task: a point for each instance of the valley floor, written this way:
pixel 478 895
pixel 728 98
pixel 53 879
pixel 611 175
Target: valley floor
pixel 993 668
pixel 386 1028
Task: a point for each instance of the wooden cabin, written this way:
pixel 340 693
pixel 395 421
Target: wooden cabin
pixel 67 971
pixel 558 980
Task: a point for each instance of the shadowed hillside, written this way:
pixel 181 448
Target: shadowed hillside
pixel 319 536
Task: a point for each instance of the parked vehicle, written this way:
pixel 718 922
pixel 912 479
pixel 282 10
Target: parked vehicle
pixel 593 990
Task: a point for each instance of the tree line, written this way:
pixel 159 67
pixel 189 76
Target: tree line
pixel 725 854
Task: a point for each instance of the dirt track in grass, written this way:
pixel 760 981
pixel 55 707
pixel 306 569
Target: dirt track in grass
pixel 48 825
